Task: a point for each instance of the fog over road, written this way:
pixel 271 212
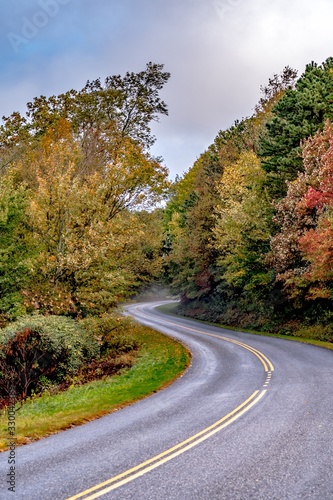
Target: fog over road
pixel 250 419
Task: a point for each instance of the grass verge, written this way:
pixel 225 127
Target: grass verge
pixel 171 310
pixel 160 361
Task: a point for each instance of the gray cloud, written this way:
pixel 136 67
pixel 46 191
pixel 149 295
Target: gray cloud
pixel 219 52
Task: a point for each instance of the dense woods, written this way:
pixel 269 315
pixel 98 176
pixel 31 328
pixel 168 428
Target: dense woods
pixel 88 218
pixel 78 184
pixel 249 226
pixel 78 229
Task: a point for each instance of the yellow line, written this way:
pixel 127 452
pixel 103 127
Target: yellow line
pixel 171 452
pixel 268 366
pixel 167 455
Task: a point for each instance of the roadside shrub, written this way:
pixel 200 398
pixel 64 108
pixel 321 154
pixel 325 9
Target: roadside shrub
pixel 39 350
pixel 112 332
pixel 106 366
pixel 316 332
pixel 118 347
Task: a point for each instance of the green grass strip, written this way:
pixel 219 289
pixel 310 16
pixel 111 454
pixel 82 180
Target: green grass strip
pixel 160 361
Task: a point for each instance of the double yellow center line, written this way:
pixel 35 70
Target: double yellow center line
pixel 160 459
pixel 268 366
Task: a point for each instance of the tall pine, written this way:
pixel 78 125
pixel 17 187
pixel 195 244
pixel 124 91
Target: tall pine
pixel 298 115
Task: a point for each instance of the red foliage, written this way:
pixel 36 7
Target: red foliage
pixel 315 198
pixel 317 246
pixel 302 252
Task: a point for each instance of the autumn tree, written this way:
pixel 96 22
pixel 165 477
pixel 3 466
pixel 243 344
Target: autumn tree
pixel 192 255
pixel 83 161
pixel 215 251
pixel 242 229
pixel 301 250
pixel 83 226
pixel 103 116
pixel 188 229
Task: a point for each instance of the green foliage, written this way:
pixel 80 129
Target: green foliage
pixel 77 190
pixel 242 235
pixel 36 348
pixel 322 332
pixel 15 250
pixel 112 333
pixel 296 116
pixel 234 253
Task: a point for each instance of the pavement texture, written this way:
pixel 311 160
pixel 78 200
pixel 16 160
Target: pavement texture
pixel 278 445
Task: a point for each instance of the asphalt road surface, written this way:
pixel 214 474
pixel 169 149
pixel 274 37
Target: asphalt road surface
pixel 250 419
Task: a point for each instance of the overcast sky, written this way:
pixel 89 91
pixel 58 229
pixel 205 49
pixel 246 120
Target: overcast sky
pixel 219 53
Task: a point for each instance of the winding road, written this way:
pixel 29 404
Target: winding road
pixel 250 419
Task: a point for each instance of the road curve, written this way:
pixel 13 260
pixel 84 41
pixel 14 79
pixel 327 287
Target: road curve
pixel 250 419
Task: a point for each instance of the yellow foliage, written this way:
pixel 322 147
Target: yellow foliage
pixel 243 208
pixel 84 225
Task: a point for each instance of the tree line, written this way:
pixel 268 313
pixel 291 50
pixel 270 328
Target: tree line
pixel 248 229
pixel 244 238
pixel 77 186
pixel 79 231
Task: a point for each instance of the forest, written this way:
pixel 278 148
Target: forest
pixel 89 218
pixel 77 189
pixel 79 230
pixel 249 228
